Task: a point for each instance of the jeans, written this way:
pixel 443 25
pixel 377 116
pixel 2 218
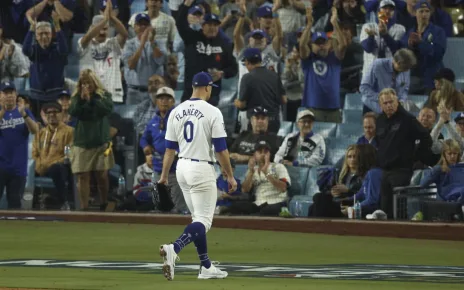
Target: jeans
pixel 14 186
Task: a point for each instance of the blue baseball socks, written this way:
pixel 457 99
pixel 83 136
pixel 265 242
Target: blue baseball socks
pixel 196 233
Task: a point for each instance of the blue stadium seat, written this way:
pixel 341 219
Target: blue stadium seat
pixel 298 177
pixel 454 58
pixel 125 111
pixel 419 100
pixel 353 102
pixel 352 116
pixel 240 171
pixel 299 205
pixel 324 129
pixel 336 148
pixel 285 128
pixel 178 96
pixel 349 130
pixel 137 7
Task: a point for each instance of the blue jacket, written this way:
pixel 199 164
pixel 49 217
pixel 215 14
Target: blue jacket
pixel 429 52
pixel 154 136
pixel 450 186
pixel 223 185
pixel 369 194
pixel 363 140
pixel 47 69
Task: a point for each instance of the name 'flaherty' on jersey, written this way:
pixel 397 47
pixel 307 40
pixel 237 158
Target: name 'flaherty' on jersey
pixel 189 112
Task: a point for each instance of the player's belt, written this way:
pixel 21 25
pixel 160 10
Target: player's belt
pixel 197 160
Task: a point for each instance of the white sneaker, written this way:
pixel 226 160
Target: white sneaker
pixel 169 260
pixel 211 273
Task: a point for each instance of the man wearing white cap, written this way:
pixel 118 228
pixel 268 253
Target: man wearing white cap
pixel 380 39
pixel 302 148
pixel 102 54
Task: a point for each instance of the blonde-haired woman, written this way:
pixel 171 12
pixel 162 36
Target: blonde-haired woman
pixel 445 92
pixel 91 105
pixel 448 173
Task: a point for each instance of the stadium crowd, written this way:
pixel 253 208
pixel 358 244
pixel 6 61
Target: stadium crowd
pixel 285 62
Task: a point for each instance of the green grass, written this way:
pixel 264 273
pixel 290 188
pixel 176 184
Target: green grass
pixel 125 242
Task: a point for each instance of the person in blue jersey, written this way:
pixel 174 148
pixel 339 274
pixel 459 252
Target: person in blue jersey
pixel 153 144
pixel 322 67
pixel 16 123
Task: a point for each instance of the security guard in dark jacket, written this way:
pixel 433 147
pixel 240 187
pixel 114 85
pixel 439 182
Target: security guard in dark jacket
pixel 205 51
pixel 397 133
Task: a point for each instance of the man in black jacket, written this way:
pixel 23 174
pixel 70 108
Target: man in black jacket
pixel 397 133
pixel 206 51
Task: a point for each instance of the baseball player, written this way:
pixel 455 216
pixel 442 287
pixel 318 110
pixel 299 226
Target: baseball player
pixel 193 128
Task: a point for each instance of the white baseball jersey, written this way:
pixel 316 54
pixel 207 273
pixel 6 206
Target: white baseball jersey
pixel 105 60
pixel 193 124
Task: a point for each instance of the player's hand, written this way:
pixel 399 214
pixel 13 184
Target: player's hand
pixel 163 180
pixel 232 184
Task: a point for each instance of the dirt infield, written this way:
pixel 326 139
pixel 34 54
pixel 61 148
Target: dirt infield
pixel 435 231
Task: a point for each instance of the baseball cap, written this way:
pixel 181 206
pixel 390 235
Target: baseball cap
pixel 262 144
pixel 445 73
pixel 384 3
pixel 103 4
pixel 195 9
pixel 51 105
pixel 319 35
pixel 8 86
pixel 264 11
pixel 422 4
pixel 64 93
pixel 256 111
pixel 142 17
pixel 459 117
pixel 257 32
pixel 211 18
pixel 165 91
pixel 304 113
pixel 203 79
pixel 252 54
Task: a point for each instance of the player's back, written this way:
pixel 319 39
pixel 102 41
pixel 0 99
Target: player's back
pixel 193 124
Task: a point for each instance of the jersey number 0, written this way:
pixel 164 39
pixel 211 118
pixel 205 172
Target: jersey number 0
pixel 188 131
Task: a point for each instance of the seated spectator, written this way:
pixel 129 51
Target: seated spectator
pixel 13 63
pixel 322 66
pixel 455 132
pixel 261 87
pixel 369 129
pixel 448 173
pixel 142 57
pixel 154 144
pixel 303 148
pixel 64 99
pixel 225 199
pixel 387 73
pixel 428 42
pixel 102 54
pixel 146 110
pixel 48 61
pixel 445 92
pixel 426 118
pixel 48 152
pixel 16 124
pixel 49 10
pixel 244 146
pixel 344 183
pixel 267 180
pixel 380 39
pixel 346 10
pixel 163 25
pixel 91 105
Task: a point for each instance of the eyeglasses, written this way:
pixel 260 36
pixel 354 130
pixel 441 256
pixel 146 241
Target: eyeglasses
pixel 305 122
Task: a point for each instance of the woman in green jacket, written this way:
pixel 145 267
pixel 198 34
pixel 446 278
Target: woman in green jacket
pixel 91 105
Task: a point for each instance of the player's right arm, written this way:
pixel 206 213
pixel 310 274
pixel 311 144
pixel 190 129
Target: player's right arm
pixel 171 147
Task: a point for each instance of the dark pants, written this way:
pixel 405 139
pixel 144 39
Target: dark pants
pixel 214 100
pixel 391 179
pixel 292 110
pixel 14 186
pixel 62 179
pixel 247 207
pixel 324 206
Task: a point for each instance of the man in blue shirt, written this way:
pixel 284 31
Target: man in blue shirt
pixel 16 123
pixel 387 73
pixel 428 42
pixel 153 144
pixel 322 68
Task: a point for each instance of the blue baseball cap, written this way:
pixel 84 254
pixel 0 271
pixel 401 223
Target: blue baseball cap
pixel 211 18
pixel 203 79
pixel 318 35
pixel 459 117
pixel 422 4
pixel 258 32
pixel 264 11
pixel 252 53
pixel 142 17
pixel 195 9
pixel 103 4
pixel 8 86
pixel 64 93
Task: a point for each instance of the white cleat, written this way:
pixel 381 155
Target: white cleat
pixel 169 260
pixel 211 273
